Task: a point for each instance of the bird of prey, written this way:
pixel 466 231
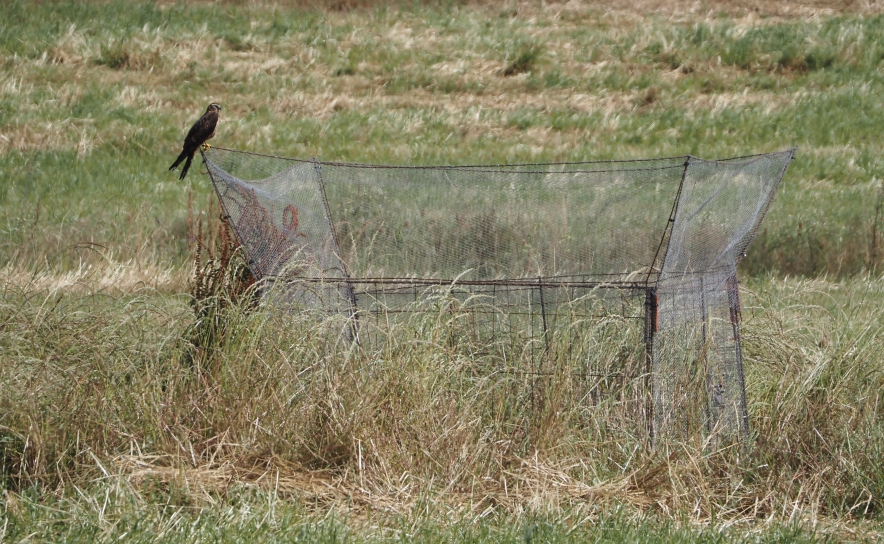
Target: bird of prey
pixel 201 131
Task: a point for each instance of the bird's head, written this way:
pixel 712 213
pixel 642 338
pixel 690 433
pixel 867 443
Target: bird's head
pixel 213 107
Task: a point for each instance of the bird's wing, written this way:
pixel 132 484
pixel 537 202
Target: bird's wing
pixel 202 130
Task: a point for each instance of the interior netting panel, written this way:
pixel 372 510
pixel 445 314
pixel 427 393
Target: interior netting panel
pixel 534 259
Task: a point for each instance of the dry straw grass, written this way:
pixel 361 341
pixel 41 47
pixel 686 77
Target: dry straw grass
pixel 284 406
pixel 106 276
pixel 775 8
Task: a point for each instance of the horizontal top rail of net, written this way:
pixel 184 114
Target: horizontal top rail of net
pixel 523 282
pixel 677 161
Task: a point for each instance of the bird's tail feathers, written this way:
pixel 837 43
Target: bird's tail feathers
pixel 186 167
pixel 178 160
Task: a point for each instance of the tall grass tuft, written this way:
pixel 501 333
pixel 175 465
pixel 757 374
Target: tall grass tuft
pixel 524 61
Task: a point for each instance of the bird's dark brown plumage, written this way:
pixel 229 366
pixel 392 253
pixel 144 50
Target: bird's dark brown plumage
pixel 201 131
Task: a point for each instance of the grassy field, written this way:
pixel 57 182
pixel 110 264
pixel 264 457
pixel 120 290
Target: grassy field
pixel 111 427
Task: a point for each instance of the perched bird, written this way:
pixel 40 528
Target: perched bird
pixel 201 131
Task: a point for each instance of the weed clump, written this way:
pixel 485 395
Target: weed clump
pixel 524 62
pixel 120 55
pixel 222 284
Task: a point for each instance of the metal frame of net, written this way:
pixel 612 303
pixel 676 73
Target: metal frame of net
pixel 550 261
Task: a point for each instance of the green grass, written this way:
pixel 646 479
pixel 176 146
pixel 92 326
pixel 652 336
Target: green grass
pixel 109 512
pixel 110 426
pixel 117 84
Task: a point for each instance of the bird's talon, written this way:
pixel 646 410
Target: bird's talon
pixel 206 147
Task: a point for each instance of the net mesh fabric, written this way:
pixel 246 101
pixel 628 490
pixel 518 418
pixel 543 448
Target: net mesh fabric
pixel 697 367
pixel 532 255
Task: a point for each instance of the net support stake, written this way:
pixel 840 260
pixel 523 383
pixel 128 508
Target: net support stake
pixel 703 359
pixel 543 315
pixel 733 296
pixel 651 326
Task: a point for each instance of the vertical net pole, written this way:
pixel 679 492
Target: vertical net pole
pixel 543 316
pixel 658 419
pixel 733 295
pixel 702 358
pixel 348 286
pixel 668 230
pixel 650 330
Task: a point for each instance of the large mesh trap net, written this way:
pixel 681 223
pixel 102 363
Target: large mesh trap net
pixel 589 273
